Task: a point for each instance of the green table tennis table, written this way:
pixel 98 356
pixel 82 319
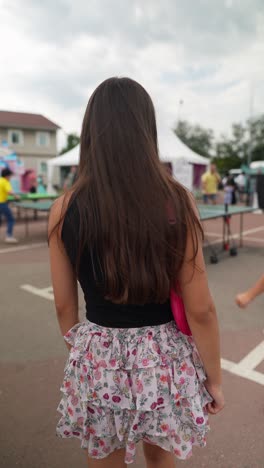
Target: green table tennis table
pixel 219 211
pixel 225 212
pixel 34 207
pixel 207 212
pixel 34 196
pixel 28 197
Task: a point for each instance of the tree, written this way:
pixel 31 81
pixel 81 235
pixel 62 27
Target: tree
pixel 72 140
pixel 231 152
pixel 197 138
pixel 246 142
pixel 255 128
pixel 226 158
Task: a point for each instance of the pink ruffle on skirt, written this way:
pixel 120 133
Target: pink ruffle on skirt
pixel 125 385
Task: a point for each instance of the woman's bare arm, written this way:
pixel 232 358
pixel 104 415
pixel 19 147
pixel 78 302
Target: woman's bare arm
pixel 200 311
pixel 202 319
pixel 64 279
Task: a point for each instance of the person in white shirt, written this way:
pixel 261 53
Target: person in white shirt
pixel 241 180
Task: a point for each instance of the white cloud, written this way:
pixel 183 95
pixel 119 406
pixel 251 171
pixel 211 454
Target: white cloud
pixel 205 52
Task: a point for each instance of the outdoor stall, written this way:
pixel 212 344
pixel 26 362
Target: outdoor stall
pixel 186 165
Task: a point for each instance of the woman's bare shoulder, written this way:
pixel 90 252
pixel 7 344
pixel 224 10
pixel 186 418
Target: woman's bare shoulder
pixel 60 205
pixel 58 210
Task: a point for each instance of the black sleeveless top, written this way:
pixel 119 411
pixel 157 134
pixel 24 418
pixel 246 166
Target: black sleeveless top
pixel 98 309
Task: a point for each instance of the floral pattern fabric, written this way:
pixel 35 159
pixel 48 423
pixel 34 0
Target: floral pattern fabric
pixel 125 385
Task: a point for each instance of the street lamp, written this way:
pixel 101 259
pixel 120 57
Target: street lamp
pixel 181 102
pixel 249 152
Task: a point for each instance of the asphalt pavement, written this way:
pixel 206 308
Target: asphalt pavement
pixel 32 356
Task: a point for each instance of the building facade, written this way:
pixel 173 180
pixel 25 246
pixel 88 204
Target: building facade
pixel 32 137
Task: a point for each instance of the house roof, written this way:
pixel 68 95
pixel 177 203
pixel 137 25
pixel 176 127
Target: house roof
pixel 26 120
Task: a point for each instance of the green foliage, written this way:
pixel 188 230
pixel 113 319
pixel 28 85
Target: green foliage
pixel 256 130
pixel 72 140
pixel 228 152
pixel 196 137
pixel 225 164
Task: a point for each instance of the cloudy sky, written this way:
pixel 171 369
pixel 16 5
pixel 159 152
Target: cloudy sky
pixel 207 53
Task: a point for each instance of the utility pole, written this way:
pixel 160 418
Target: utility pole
pixel 249 152
pixel 251 105
pixel 181 102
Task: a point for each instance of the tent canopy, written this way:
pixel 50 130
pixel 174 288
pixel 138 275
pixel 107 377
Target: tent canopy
pixel 71 158
pixel 257 165
pixel 171 149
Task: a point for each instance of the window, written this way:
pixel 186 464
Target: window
pixel 15 137
pixel 43 138
pixel 43 167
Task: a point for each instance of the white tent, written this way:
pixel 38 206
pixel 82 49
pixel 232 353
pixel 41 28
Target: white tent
pixel 257 165
pixel 170 147
pixel 71 158
pixel 187 166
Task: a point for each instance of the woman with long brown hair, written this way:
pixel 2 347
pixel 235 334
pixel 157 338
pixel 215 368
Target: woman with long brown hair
pixel 128 233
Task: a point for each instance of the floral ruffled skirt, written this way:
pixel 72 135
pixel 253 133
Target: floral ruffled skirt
pixel 125 385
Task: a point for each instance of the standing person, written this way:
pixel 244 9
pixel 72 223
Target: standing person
pixel 235 188
pixel 225 179
pixel 5 191
pixel 70 179
pixel 241 181
pixel 41 186
pixel 131 374
pixel 33 184
pixel 210 182
pixel 230 189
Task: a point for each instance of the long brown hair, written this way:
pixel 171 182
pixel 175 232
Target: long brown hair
pixel 132 213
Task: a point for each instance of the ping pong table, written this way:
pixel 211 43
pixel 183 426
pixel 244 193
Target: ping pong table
pixel 225 212
pixel 218 211
pixel 34 207
pixel 207 212
pixel 34 196
pixel 27 197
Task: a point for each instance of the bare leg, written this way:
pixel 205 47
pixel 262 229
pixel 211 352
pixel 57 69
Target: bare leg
pixel 114 460
pixel 156 457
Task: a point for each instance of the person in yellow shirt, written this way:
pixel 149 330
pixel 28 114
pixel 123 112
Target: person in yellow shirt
pixel 210 182
pixel 5 191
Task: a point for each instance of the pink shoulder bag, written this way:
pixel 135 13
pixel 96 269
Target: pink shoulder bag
pixel 178 312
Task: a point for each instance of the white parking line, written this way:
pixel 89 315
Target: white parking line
pixel 252 231
pixel 254 358
pixel 20 248
pixel 245 367
pixel 245 239
pixel 245 233
pixel 254 239
pixel 212 234
pixel 46 293
pixel 219 239
pixel 234 368
pixel 215 242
